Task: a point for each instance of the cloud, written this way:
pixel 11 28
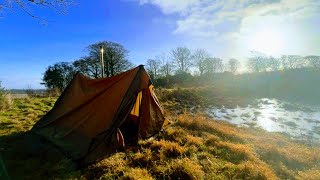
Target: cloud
pixel 203 18
pixel 172 6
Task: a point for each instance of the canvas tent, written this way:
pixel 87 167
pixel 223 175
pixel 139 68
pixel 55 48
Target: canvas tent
pixel 3 171
pixel 85 119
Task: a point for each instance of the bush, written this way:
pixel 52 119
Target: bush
pixel 53 92
pixel 5 99
pixel 30 92
pixel 1 97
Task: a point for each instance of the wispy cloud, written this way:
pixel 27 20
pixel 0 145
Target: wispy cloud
pixel 235 22
pixel 172 6
pixel 203 17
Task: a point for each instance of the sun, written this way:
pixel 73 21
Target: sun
pixel 269 41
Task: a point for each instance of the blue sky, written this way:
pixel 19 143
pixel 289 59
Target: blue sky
pixel 148 28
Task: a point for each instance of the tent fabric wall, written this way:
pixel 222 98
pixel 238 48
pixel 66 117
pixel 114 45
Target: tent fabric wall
pixel 84 120
pixel 3 171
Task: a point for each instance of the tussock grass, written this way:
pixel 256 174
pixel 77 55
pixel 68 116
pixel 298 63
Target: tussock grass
pixel 192 147
pixel 109 168
pixel 5 101
pixel 136 174
pixel 184 168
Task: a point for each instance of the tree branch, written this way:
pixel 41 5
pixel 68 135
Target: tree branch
pixel 59 6
pixel 21 5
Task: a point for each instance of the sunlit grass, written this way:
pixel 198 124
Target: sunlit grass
pixel 192 147
pixel 23 114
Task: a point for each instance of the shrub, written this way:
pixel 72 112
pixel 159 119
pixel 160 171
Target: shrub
pixel 5 99
pixel 1 97
pixel 30 92
pixel 53 92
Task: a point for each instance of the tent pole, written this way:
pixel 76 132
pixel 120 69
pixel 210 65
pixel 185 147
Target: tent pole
pixel 102 62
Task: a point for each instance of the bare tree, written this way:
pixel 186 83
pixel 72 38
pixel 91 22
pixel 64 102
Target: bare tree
pixel 208 62
pixel 293 61
pixel 166 65
pixel 199 57
pixel 273 63
pixel 182 57
pixel 314 61
pixel 257 62
pixel 218 65
pixel 213 65
pixel 153 67
pixel 30 91
pixel 234 65
pixel 59 6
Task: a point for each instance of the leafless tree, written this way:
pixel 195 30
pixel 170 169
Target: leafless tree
pixel 166 65
pixel 59 6
pixel 293 61
pixel 234 65
pixel 273 63
pixel 30 91
pixel 314 61
pixel 213 65
pixel 208 66
pixel 257 62
pixel 199 57
pixel 153 66
pixel 218 65
pixel 182 57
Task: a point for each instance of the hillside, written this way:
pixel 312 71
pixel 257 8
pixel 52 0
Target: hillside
pixel 192 147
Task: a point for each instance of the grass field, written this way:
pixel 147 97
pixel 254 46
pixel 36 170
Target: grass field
pixel 192 147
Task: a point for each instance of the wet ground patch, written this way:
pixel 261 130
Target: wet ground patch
pixel 273 115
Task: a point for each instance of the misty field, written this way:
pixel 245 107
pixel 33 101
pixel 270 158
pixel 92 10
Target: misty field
pixel 194 146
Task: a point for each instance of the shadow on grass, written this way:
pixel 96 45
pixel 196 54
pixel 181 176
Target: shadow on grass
pixel 28 156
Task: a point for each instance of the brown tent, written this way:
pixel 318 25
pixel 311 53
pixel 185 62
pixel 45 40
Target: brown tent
pixel 90 113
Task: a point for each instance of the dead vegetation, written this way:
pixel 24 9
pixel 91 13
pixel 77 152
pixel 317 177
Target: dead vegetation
pixel 5 99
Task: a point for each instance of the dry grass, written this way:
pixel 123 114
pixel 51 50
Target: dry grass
pixel 5 102
pixel 136 174
pixel 192 147
pixel 23 114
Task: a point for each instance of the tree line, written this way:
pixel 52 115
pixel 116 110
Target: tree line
pixel 169 68
pixel 180 61
pixel 260 62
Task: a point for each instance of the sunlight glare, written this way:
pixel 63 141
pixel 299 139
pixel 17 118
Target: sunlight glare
pixel 269 41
